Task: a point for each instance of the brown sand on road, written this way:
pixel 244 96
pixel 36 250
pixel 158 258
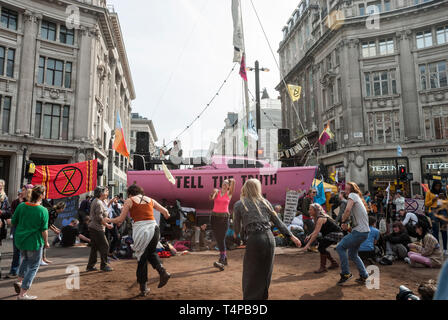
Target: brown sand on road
pixel 195 278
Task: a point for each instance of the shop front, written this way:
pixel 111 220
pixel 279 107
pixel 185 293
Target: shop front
pixel 435 168
pixel 386 170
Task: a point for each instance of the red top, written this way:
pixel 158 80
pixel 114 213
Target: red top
pixel 221 203
pixel 142 211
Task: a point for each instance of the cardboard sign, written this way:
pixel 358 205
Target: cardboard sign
pixel 415 206
pixel 292 199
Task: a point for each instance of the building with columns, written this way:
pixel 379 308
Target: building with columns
pixel 377 72
pixel 64 77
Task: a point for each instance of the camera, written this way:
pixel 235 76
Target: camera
pixel 406 294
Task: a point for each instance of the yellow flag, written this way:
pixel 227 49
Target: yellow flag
pixel 294 92
pixel 168 174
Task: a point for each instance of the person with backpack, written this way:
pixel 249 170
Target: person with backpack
pixel 330 234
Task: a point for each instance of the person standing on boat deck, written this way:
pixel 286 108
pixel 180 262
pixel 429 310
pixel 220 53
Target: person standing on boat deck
pixel 255 214
pixel 220 218
pixel 145 233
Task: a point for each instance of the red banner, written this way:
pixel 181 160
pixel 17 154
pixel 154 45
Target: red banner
pixel 67 180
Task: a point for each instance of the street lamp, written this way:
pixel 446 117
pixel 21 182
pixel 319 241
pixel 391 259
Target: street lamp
pixel 257 97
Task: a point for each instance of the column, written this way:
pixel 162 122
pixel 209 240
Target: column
pixel 27 72
pixel 409 93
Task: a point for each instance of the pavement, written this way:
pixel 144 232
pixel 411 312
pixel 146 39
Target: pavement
pixel 50 280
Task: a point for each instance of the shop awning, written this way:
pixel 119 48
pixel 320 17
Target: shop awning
pixel 327 187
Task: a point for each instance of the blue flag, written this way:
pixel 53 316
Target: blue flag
pixel 399 151
pixel 320 197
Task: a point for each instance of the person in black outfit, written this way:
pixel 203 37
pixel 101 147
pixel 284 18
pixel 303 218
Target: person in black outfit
pixel 70 233
pixel 335 202
pixel 255 213
pixel 331 234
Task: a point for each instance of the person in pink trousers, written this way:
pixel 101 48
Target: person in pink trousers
pixel 429 253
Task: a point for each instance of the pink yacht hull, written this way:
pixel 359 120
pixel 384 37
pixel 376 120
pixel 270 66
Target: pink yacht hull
pixel 193 187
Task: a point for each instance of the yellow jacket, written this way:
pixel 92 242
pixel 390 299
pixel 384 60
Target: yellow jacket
pixel 428 201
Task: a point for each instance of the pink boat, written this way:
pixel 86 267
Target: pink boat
pixel 193 186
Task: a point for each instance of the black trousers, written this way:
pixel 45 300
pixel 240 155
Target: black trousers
pixel 113 238
pixel 323 245
pixel 150 256
pixel 257 265
pixel 98 242
pixel 220 224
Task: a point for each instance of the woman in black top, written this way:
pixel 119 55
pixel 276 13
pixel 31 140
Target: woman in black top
pixel 255 214
pixel 331 234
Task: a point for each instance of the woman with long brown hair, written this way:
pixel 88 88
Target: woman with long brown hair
pixel 255 213
pixel 357 210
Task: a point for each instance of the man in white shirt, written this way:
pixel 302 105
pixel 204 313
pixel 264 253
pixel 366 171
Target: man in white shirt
pixel 399 201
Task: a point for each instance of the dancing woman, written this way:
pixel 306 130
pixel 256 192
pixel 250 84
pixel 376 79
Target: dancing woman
pixel 220 218
pixel 145 233
pixel 331 234
pixel 255 213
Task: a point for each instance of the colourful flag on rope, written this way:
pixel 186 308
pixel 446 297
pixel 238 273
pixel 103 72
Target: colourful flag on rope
pixel 67 180
pixel 243 72
pixel 326 135
pixel 294 92
pixel 320 196
pixel 425 187
pixel 119 141
pixel 168 174
pixel 252 128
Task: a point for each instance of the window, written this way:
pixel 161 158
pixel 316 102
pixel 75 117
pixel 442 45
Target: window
pixel 38 119
pixel 339 90
pixel 436 73
pixel 67 36
pixel 9 19
pixel 424 39
pixel 329 62
pixel 369 49
pixel 386 46
pixel 338 58
pixel 442 35
pixel 371 7
pixel 65 118
pixel 5 112
pixel 2 60
pixel 362 10
pixel 330 96
pixel 53 72
pixel 436 122
pixel 10 63
pixel 51 123
pixel 384 83
pixel 48 30
pixel 384 127
pixel 387 5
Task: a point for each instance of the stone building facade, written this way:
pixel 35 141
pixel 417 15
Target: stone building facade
pixel 64 76
pixel 377 72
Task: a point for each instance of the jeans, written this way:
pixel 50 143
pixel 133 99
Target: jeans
pixel 150 256
pixel 15 256
pixel 114 239
pixel 352 242
pixel 29 266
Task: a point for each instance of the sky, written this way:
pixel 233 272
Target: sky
pixel 181 51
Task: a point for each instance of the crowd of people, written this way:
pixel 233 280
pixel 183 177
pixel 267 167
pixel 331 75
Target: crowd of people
pixel 365 230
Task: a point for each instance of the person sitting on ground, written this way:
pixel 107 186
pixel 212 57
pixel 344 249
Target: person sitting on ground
pixel 368 249
pixel 331 234
pixel 429 253
pixel 279 209
pixel 396 244
pixel 410 219
pixel 70 233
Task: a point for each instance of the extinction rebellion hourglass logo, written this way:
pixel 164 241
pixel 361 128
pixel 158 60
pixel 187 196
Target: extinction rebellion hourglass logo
pixel 68 181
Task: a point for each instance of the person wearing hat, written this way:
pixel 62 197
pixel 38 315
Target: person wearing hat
pixel 24 194
pixel 97 227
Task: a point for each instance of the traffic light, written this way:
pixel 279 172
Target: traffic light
pixel 100 170
pixel 402 174
pixel 30 169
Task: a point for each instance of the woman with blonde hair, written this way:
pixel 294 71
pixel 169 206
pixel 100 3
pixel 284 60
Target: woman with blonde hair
pixel 330 234
pixel 255 214
pixel 360 229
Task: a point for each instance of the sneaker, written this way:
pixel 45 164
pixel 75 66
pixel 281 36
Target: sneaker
pixel 107 269
pixel 218 265
pixel 88 269
pixel 17 287
pixel 344 278
pixel 43 263
pixel 445 252
pixel 361 280
pixel 11 276
pixel 223 261
pixel 26 297
pixel 407 260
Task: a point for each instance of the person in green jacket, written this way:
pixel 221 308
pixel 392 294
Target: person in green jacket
pixel 31 236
